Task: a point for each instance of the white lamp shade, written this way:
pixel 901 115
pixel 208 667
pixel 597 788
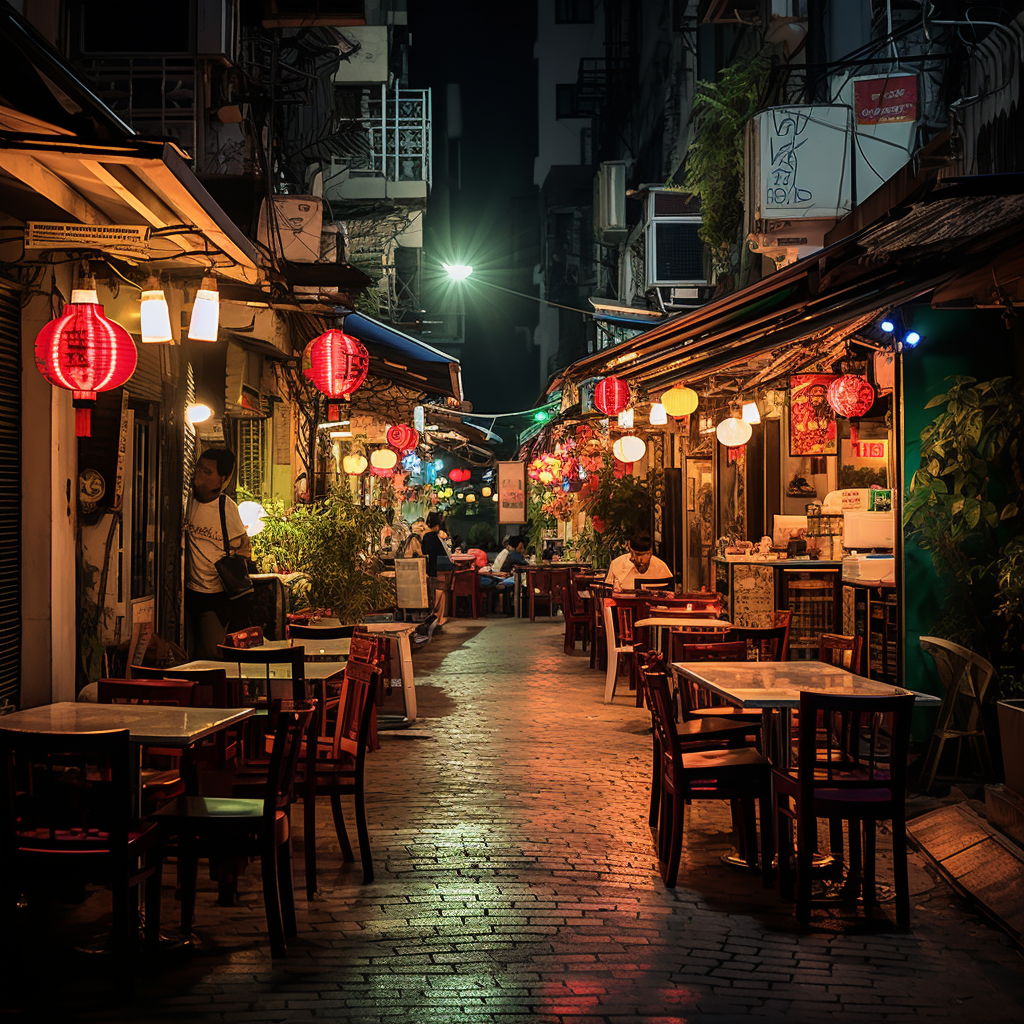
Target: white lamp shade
pixel 205 316
pixel 252 513
pixel 84 296
pixel 733 432
pixel 658 415
pixel 354 464
pixel 384 458
pixel 751 414
pixel 629 448
pixel 626 419
pixel 155 317
pixel 197 412
pixel 494 497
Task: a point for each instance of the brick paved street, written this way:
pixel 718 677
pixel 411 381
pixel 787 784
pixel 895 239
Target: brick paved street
pixel 515 881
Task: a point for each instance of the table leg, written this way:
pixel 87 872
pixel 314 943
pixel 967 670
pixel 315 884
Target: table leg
pixel 408 680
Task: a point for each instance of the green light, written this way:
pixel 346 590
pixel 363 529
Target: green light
pixel 541 416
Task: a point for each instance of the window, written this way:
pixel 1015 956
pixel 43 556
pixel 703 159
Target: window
pixel 565 101
pixel 574 12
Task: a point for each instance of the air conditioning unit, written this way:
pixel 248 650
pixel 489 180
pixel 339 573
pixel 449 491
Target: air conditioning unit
pixel 674 255
pixel 610 202
pixel 216 29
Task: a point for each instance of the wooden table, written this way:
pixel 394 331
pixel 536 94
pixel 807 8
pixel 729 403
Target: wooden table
pixel 315 671
pixel 679 622
pixel 316 650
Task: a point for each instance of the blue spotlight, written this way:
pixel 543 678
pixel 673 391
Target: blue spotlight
pixel 888 326
pixel 911 339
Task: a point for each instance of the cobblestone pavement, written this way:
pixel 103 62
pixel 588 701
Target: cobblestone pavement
pixel 516 881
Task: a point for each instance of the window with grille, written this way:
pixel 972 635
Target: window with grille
pixel 252 436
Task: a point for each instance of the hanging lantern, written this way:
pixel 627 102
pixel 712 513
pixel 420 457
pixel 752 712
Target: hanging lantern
pixel 252 514
pixel 384 458
pixel 679 400
pixel 205 318
pixel 470 498
pixel 611 395
pixel 733 432
pixel 402 437
pixel 626 419
pixel 494 497
pixel 354 465
pixel 751 413
pixel 485 492
pixel 629 448
pixel 154 317
pixel 459 476
pixel 337 364
pixel 851 395
pixel 85 352
pixel 659 417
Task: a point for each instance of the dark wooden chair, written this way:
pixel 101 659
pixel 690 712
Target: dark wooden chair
pixel 234 827
pixel 761 644
pixel 689 774
pixel 853 770
pixel 65 813
pixel 292 657
pixel 466 584
pixel 839 650
pixel 665 583
pixel 782 618
pixel 303 631
pixel 577 618
pixel 695 701
pixel 544 586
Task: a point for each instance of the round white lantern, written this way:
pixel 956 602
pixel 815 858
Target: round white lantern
pixel 384 458
pixel 733 432
pixel 252 513
pixel 629 448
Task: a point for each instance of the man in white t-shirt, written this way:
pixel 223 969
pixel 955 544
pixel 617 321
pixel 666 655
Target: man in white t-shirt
pixel 639 562
pixel 499 558
pixel 207 607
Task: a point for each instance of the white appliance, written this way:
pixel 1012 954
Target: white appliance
pixel 870 569
pixel 869 531
pixel 848 498
pixel 784 527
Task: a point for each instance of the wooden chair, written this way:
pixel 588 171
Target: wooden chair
pixel 782 618
pixel 293 657
pixel 966 678
pixel 541 587
pixel 765 644
pixel 618 629
pixel 303 631
pixel 577 618
pixel 856 773
pixel 665 583
pixel 466 584
pixel 687 774
pixel 695 701
pixel 599 593
pixel 839 650
pixel 65 814
pixel 246 827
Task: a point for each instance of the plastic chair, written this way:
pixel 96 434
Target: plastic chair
pixel 246 827
pixel 855 773
pixel 688 774
pixel 965 677
pixel 842 651
pixel 65 813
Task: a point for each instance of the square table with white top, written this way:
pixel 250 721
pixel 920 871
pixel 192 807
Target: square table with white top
pixel 315 671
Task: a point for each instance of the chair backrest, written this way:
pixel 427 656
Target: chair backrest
pixel 301 631
pixel 965 677
pixel 367 648
pixel 559 579
pixel 540 581
pixel 664 583
pixel 65 793
pixel 767 643
pixel 213 689
pixel 571 599
pixel 177 693
pixel 781 618
pixel 736 651
pixel 625 616
pixel 293 721
pixel 293 657
pixel 681 638
pixel 355 711
pixel 863 748
pixel 840 650
pixel 663 720
pixel 466 581
pixel 251 636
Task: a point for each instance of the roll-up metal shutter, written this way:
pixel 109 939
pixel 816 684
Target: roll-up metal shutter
pixel 10 496
pixel 146 382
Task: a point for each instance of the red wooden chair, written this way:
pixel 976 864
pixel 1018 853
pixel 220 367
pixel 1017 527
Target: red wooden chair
pixel 577 618
pixel 246 828
pixel 781 618
pixel 843 651
pixel 65 814
pixel 466 584
pixel 856 773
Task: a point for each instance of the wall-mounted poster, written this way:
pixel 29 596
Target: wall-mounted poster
pixel 812 421
pixel 512 493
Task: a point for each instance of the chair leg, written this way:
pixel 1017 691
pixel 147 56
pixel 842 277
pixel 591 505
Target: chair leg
pixel 767 838
pixel 610 676
pixel 855 865
pixel 784 840
pixel 309 842
pixel 869 867
pixel 901 881
pixel 339 827
pixel 807 829
pixel 675 849
pixel 188 870
pixel 652 815
pixel 363 833
pixel 284 885
pixel 271 899
pixel 152 897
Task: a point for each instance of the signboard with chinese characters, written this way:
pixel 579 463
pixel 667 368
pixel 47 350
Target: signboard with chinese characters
pixel 888 100
pixel 512 493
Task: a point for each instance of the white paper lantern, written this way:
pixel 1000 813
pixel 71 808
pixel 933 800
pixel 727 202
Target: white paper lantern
pixel 383 458
pixel 733 432
pixel 658 415
pixel 626 419
pixel 629 448
pixel 155 318
pixel 252 513
pixel 751 414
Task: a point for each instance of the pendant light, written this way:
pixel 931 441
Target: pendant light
pixel 680 400
pixel 751 414
pixel 155 316
pixel 205 317
pixel 658 417
pixel 626 419
pixel 354 465
pixel 629 448
pixel 384 458
pixel 611 395
pixel 733 432
pixel 198 412
pixel 337 363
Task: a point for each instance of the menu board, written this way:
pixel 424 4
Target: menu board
pixel 411 583
pixel 753 596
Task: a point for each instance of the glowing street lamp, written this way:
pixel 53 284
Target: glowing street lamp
pixel 457 271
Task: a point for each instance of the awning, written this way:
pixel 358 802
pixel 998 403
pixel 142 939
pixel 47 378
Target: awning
pixel 955 228
pixel 396 356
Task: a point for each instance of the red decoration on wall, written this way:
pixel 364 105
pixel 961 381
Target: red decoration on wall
pixel 338 363
pixel 85 352
pixel 611 395
pixel 402 437
pixel 850 395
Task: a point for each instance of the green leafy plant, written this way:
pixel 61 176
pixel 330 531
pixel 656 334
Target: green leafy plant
pixel 964 507
pixel 621 506
pixel 330 542
pixel 714 161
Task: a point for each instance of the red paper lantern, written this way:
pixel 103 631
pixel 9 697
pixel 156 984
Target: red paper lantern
pixel 611 395
pixel 402 437
pixel 338 363
pixel 85 352
pixel 850 395
pixel 459 476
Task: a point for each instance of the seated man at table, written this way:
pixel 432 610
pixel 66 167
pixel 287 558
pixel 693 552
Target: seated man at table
pixel 639 562
pixel 499 558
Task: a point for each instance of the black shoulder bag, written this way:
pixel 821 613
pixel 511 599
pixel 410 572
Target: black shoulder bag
pixel 232 569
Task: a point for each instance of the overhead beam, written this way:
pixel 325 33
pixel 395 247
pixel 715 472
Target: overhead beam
pixel 42 180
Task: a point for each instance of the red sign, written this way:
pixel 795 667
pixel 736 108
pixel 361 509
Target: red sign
pixel 885 100
pixel 868 449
